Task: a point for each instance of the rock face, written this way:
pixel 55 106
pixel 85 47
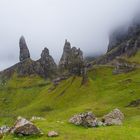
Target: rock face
pixel 24 127
pixel 115 117
pixel 71 60
pixel 47 63
pixel 44 67
pixel 122 43
pixel 122 66
pixel 85 119
pixel 24 51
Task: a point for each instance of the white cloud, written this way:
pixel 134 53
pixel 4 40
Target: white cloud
pixel 47 23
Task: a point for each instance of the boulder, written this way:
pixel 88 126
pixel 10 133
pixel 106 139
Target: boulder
pixel 115 117
pixel 24 127
pixel 85 119
pixel 24 51
pixel 53 134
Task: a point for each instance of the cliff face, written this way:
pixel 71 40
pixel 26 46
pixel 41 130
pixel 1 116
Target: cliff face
pixel 72 60
pixel 122 43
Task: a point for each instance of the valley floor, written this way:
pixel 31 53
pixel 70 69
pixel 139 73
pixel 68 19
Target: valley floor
pixel 31 96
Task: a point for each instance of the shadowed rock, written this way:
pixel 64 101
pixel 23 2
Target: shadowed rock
pixel 71 60
pixel 24 127
pixel 24 51
pixel 47 63
pixel 115 117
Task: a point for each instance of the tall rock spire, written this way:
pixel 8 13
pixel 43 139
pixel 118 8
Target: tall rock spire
pixel 71 60
pixel 47 62
pixel 24 51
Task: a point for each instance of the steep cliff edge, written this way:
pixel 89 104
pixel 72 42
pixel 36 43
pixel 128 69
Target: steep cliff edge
pixel 122 42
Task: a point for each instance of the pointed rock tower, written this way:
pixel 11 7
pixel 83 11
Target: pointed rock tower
pixel 47 63
pixel 24 51
pixel 71 60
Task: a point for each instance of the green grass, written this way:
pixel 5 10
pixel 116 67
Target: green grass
pixel 135 58
pixel 30 96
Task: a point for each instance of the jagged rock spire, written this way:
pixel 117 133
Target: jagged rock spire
pixel 24 51
pixel 47 62
pixel 72 59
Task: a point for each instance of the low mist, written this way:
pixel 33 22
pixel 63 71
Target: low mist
pixel 47 23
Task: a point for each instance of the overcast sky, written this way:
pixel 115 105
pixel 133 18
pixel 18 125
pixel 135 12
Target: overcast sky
pixel 47 23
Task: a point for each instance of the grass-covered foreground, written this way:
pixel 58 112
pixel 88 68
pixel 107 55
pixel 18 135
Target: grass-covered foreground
pixel 31 96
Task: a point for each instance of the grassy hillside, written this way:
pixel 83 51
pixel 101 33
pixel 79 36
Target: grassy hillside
pixel 31 96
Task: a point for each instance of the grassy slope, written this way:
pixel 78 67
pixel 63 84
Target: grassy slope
pixel 30 97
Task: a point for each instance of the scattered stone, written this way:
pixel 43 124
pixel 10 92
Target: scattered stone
pixel 53 134
pixel 24 51
pixel 135 103
pixel 4 129
pixel 24 127
pixel 85 119
pixel 115 117
pixel 34 118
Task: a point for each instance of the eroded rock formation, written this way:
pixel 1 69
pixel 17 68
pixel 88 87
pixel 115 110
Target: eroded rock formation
pixel 24 51
pixel 47 63
pixel 122 43
pixel 71 60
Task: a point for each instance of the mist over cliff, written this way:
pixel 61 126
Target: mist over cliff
pixel 47 23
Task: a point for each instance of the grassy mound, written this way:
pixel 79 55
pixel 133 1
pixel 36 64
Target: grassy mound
pixel 31 96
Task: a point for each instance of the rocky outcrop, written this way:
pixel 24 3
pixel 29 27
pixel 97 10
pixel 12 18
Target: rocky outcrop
pixel 71 60
pixel 115 117
pixel 24 127
pixel 85 119
pixel 122 43
pixel 122 66
pixel 44 67
pixel 47 63
pixel 24 51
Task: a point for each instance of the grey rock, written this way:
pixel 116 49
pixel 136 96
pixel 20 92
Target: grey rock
pixel 85 119
pixel 47 63
pixel 4 129
pixel 115 117
pixel 23 127
pixel 53 134
pixel 122 66
pixel 24 51
pixel 71 60
pixel 122 43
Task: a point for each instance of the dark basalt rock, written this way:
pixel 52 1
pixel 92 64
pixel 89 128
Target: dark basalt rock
pixel 71 60
pixel 47 63
pixel 122 43
pixel 24 51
